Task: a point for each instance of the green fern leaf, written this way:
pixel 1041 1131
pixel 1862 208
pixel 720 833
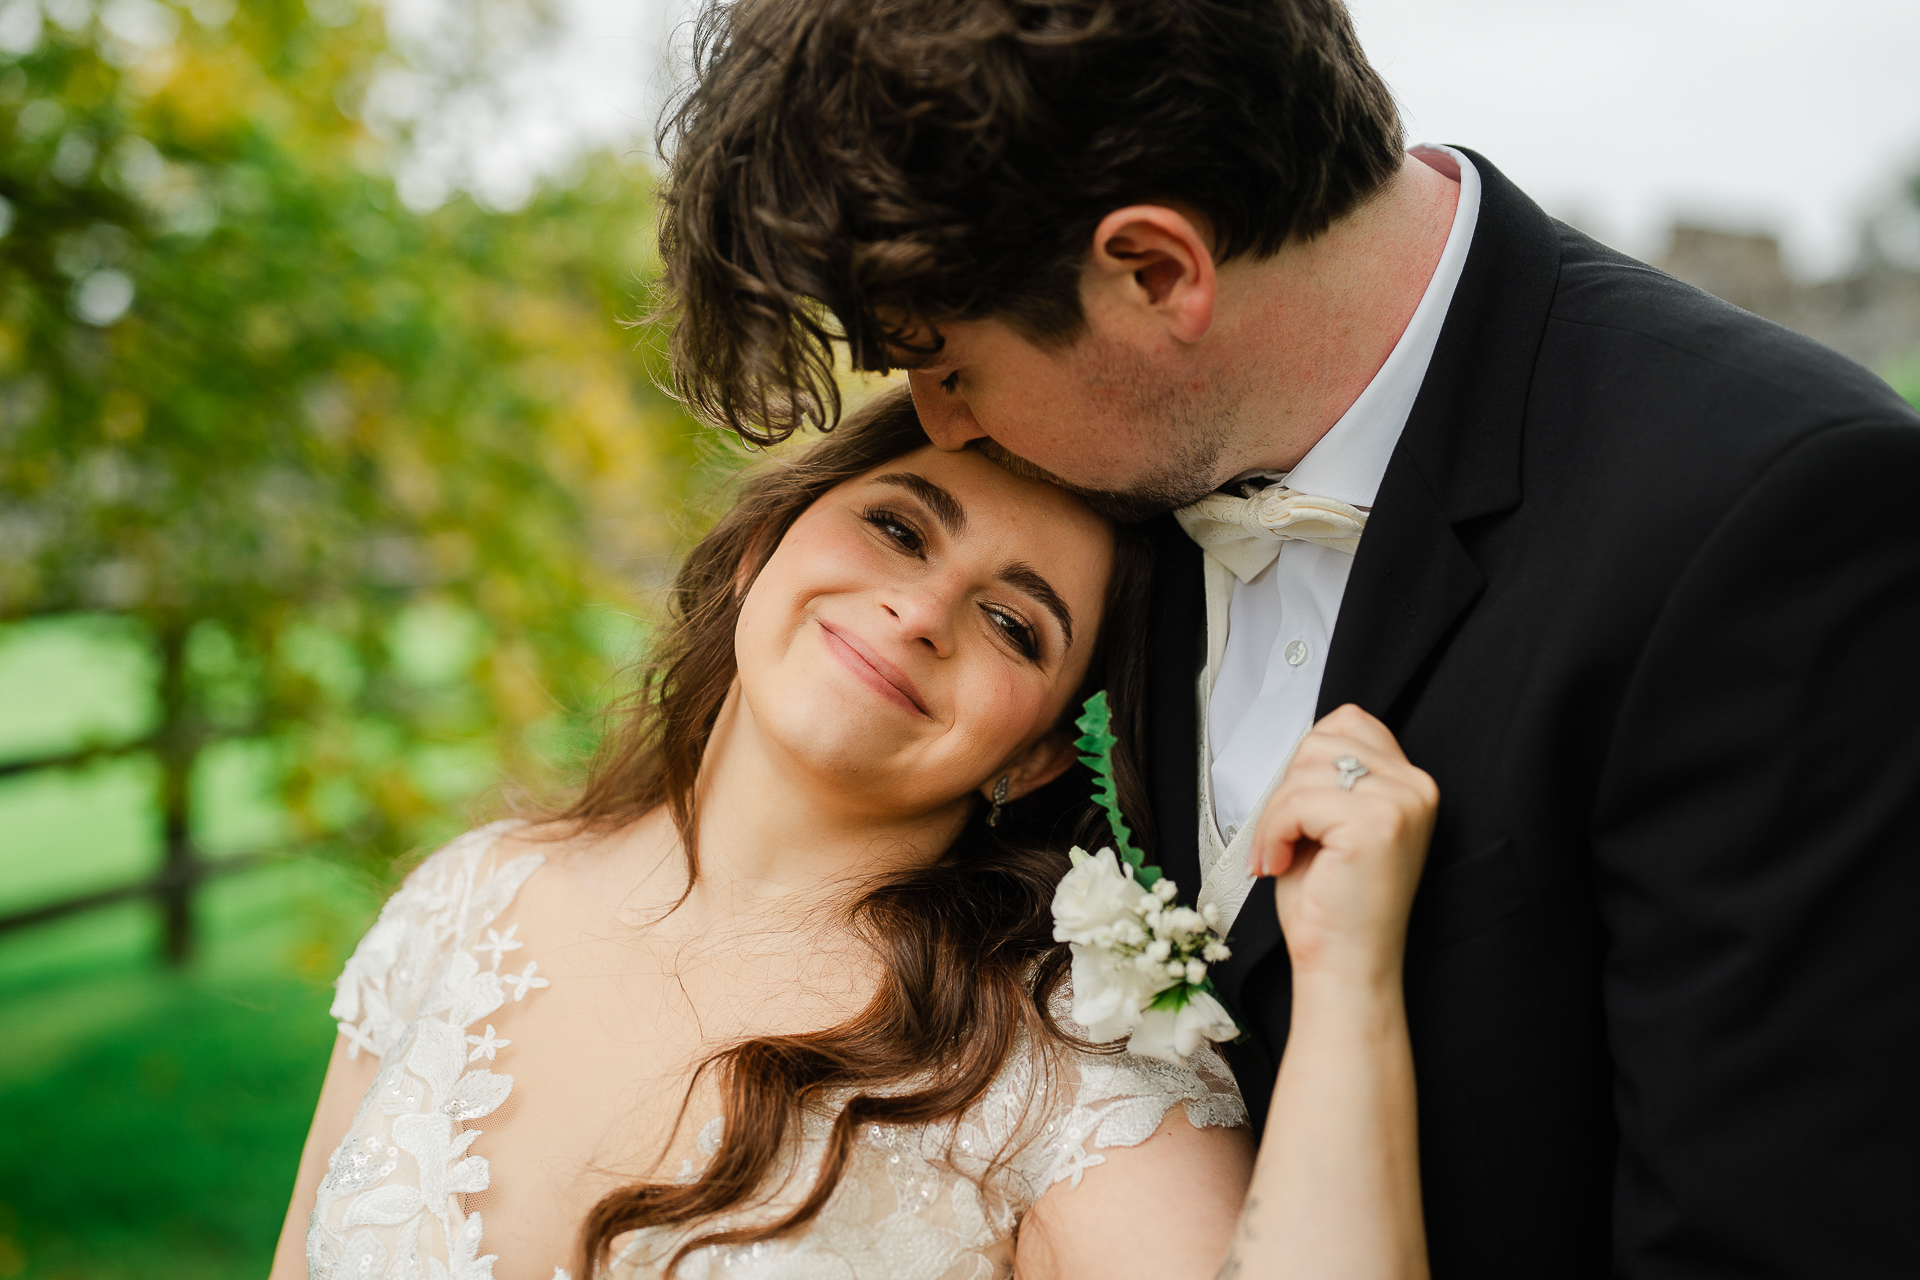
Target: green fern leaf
pixel 1097 741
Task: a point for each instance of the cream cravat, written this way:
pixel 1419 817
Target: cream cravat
pixel 1245 534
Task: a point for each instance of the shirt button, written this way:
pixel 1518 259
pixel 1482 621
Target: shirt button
pixel 1230 833
pixel 1296 652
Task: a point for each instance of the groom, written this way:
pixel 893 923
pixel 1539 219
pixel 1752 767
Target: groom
pixel 1633 574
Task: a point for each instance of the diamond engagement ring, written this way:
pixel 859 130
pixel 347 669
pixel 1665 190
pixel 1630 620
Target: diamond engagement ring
pixel 1351 771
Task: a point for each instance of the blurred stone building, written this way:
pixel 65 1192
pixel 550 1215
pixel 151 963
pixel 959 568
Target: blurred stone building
pixel 1871 314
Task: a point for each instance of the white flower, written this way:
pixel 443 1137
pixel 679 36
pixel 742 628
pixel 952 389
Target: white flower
pixel 1095 895
pixel 1215 951
pixel 524 981
pixel 1108 997
pixel 1131 948
pixel 488 1044
pixel 498 944
pixel 358 1038
pixel 1172 1035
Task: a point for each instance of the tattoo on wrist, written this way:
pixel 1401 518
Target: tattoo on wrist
pixel 1235 1266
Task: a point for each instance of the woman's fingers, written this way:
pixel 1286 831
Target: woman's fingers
pixel 1300 820
pixel 1346 844
pixel 1289 820
pixel 1350 722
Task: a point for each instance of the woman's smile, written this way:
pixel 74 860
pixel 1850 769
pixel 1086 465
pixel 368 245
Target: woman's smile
pixel 885 679
pixel 948 590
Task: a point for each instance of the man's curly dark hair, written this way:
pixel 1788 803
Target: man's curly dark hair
pixel 860 170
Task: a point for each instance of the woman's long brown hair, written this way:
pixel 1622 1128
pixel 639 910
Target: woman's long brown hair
pixel 966 944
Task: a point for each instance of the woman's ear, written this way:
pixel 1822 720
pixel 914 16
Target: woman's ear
pixel 1044 761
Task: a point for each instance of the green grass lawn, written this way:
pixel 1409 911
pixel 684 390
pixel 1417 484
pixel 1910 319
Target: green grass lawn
pixel 152 1119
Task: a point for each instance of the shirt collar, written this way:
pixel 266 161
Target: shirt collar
pixel 1350 460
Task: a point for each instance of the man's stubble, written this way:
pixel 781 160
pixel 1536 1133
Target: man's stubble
pixel 1196 426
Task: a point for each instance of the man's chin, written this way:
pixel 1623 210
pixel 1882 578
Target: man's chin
pixel 1155 496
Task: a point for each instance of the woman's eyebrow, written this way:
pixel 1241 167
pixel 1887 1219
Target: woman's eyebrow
pixel 1022 578
pixel 945 507
pixel 1019 575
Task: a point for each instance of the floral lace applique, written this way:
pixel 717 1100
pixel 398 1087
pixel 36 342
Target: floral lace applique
pixel 409 994
pixel 936 1202
pixel 943 1202
pixel 1123 1099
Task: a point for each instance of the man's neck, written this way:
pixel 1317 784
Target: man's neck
pixel 1312 325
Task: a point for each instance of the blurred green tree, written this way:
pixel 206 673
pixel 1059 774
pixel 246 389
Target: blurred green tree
pixel 361 472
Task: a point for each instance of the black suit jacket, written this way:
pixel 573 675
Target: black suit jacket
pixel 1641 590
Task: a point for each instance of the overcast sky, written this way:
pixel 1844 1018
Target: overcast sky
pixel 1782 115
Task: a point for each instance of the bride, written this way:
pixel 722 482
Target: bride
pixel 778 996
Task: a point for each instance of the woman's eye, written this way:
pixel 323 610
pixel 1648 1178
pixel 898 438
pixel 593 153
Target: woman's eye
pixel 892 526
pixel 951 383
pixel 1018 633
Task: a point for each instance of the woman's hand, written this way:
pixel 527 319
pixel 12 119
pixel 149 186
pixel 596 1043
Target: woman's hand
pixel 1346 862
pixel 1336 1191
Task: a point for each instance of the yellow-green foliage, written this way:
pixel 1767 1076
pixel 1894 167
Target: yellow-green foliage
pixel 324 423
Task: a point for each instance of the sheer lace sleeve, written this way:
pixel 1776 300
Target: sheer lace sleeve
pixel 1118 1100
pixel 410 963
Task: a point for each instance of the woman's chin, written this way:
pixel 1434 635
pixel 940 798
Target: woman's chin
pixel 843 732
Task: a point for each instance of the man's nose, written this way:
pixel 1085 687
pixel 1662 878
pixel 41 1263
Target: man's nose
pixel 949 422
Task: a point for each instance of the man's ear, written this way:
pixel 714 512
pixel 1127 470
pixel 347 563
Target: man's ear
pixel 1157 258
pixel 1045 760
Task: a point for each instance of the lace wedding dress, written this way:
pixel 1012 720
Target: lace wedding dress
pixel 422 992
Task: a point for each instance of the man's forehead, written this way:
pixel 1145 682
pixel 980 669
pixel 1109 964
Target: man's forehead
pixel 921 343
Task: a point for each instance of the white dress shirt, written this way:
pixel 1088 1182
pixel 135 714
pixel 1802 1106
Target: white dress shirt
pixel 1267 639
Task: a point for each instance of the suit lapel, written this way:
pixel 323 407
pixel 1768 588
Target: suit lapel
pixel 1410 582
pixel 1457 460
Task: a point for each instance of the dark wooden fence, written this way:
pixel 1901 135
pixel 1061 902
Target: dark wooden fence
pixel 182 868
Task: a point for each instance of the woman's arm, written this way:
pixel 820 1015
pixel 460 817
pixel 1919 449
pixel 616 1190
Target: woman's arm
pixel 1335 1193
pixel 348 1080
pixel 1162 1209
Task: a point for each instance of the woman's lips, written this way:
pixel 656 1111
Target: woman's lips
pixel 878 674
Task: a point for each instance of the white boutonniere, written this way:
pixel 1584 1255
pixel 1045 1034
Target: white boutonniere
pixel 1139 961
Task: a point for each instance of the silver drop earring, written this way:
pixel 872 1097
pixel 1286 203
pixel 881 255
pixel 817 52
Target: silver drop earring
pixel 999 798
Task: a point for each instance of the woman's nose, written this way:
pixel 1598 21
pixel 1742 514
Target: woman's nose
pixel 924 615
pixel 945 415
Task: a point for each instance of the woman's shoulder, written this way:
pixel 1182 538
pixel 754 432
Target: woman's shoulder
pixel 412 949
pixel 1094 1098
